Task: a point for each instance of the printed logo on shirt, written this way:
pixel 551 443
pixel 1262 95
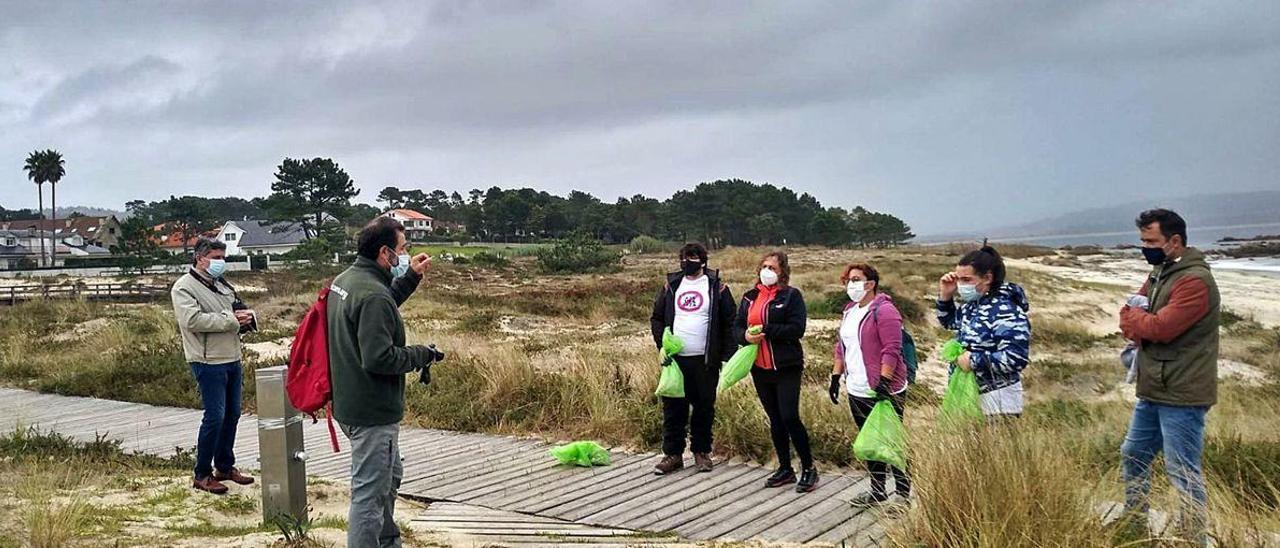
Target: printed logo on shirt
pixel 690 301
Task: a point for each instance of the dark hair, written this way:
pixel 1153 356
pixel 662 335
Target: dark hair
pixel 986 260
pixel 205 246
pixel 866 270
pixel 1170 223
pixel 379 232
pixel 784 277
pixel 692 250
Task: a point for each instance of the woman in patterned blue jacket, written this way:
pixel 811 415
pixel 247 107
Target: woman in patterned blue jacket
pixel 992 326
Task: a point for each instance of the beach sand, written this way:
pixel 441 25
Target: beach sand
pixel 1249 294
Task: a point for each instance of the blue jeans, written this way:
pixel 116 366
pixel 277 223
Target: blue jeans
pixel 376 473
pixel 1179 432
pixel 220 386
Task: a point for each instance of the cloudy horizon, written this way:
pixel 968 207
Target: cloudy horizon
pixel 925 111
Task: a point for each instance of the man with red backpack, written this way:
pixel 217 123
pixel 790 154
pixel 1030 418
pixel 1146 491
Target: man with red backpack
pixel 368 359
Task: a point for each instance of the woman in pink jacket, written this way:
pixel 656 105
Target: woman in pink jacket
pixel 868 359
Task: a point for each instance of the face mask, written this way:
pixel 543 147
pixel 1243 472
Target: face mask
pixel 768 277
pixel 690 267
pixel 856 290
pixel 401 267
pixel 1155 255
pixel 217 267
pixel 968 292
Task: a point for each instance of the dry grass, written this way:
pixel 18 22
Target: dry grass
pixel 569 357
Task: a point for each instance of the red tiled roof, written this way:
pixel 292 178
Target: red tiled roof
pixel 173 239
pixel 410 214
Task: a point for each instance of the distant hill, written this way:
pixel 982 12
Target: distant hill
pixel 1204 210
pixel 88 211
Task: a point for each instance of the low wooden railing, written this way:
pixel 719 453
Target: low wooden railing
pixel 15 294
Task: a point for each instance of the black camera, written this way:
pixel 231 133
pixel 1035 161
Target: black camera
pixel 250 327
pixel 435 355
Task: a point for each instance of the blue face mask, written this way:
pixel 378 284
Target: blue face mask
pixel 217 267
pixel 968 292
pixel 401 267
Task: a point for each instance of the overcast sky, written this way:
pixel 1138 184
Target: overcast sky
pixel 953 116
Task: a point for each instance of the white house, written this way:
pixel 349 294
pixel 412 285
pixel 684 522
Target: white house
pixel 416 225
pixel 258 237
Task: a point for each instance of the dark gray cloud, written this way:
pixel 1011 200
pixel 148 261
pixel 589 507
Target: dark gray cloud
pixel 926 110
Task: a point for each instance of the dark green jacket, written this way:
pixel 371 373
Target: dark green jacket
pixel 368 358
pixel 1180 367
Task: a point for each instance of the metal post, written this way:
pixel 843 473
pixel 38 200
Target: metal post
pixel 280 450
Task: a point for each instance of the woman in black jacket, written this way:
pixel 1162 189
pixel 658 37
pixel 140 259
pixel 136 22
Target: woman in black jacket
pixel 779 310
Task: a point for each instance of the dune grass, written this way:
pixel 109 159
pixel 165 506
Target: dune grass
pixel 568 357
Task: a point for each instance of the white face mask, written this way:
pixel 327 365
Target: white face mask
pixel 768 277
pixel 856 290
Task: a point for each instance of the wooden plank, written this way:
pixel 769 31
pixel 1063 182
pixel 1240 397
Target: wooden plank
pixel 513 470
pixel 858 531
pixel 765 498
pixel 832 499
pixel 663 518
pixel 746 524
pixel 105 421
pixel 821 518
pixel 635 488
pixel 534 482
pixel 677 495
pixel 579 483
pixel 483 461
pixel 427 459
pixel 47 414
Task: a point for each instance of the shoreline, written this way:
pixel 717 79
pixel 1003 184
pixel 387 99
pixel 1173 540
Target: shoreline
pixel 1248 292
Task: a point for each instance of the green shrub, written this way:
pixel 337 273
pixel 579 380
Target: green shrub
pixel 492 260
pixel 644 244
pixel 579 253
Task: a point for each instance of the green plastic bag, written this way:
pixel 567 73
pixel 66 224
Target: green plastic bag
pixel 961 404
pixel 739 366
pixel 581 453
pixel 882 437
pixel 951 351
pixel 671 345
pixel 671 380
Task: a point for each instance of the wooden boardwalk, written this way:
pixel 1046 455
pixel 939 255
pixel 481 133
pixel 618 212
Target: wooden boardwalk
pixel 512 476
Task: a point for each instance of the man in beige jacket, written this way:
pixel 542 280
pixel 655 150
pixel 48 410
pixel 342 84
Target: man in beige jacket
pixel 211 318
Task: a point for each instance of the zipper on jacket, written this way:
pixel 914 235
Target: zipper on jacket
pixel 764 322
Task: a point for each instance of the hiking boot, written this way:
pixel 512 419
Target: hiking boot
pixel 668 464
pixel 808 480
pixel 702 461
pixel 869 499
pixel 211 485
pixel 784 476
pixel 235 476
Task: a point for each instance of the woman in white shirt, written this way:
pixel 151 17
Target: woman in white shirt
pixel 869 365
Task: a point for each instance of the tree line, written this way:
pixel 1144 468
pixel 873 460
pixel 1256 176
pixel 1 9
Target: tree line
pixel 318 194
pixel 725 212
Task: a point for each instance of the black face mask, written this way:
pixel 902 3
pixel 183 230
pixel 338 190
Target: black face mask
pixel 690 267
pixel 1155 255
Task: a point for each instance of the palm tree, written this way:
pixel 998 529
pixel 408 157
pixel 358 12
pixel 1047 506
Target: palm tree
pixel 46 167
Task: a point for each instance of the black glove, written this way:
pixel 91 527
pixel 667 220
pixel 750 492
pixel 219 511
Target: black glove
pixel 882 388
pixel 433 355
pixel 834 389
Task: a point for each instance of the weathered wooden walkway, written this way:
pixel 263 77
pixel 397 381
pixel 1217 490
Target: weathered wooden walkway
pixel 510 475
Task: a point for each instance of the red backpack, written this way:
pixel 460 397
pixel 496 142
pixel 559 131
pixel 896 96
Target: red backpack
pixel 307 378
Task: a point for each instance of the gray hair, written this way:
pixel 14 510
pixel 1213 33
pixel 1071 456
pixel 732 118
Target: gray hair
pixel 205 246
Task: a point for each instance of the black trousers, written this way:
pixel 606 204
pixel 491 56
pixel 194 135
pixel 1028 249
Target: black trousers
pixel 861 408
pixel 779 392
pixel 700 381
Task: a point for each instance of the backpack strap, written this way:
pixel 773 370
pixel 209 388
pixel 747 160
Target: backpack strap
pixel 333 434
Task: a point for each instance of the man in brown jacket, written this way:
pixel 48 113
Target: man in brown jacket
pixel 1177 369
